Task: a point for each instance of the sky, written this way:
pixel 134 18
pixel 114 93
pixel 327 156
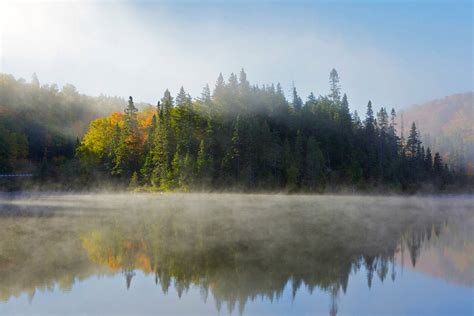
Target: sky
pixel 395 53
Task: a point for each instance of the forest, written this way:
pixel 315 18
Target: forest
pixel 238 136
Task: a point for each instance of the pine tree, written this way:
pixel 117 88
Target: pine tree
pixel 369 122
pixel 345 115
pixel 413 141
pixel 206 95
pixel 130 110
pixel 334 86
pixel 167 101
pixel 382 120
pixel 297 102
pixel 428 161
pixel 393 124
pixel 233 85
pixel 244 85
pixel 437 164
pixel 183 99
pixel 356 122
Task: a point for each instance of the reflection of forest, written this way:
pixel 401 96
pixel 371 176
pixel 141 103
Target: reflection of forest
pixel 448 256
pixel 236 249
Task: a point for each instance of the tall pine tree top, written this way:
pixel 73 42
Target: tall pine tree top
pixel 220 86
pixel 334 86
pixel 369 118
pixel 297 102
pixel 130 110
pixel 413 141
pixel 183 98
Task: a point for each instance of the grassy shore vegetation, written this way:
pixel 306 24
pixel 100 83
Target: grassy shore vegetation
pixel 237 137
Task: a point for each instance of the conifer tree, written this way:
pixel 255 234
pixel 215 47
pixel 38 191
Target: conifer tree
pixel 369 122
pixel 183 99
pixel 297 102
pixel 244 84
pixel 335 89
pixel 428 161
pixel 206 95
pixel 437 164
pixel 345 115
pixel 413 141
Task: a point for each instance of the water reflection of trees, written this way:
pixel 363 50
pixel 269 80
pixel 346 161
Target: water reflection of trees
pixel 236 252
pixel 240 260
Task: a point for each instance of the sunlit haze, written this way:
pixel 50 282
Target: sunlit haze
pixel 394 53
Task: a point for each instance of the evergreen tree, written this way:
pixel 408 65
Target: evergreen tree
pixel 220 87
pixel 335 88
pixel 244 85
pixel 437 164
pixel 356 122
pixel 206 95
pixel 345 115
pixel 233 84
pixel 183 99
pixel 413 141
pixel 248 136
pixel 297 102
pixel 428 161
pixel 369 122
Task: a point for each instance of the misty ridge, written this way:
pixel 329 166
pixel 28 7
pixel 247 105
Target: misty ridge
pixel 238 137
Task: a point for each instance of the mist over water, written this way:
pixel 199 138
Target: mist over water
pixel 238 254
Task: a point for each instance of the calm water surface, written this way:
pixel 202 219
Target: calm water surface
pixel 197 254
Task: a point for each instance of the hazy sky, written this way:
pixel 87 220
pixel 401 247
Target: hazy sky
pixel 392 52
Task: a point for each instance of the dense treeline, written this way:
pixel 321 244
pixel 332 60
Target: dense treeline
pixel 40 124
pixel 249 137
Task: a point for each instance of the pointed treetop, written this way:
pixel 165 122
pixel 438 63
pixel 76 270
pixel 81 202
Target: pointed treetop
pixel 243 82
pixel 206 94
pixel 220 85
pixel 233 82
pixel 297 102
pixel 183 98
pixel 334 86
pixel 130 110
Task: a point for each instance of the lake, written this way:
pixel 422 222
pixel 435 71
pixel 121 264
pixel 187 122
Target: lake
pixel 200 254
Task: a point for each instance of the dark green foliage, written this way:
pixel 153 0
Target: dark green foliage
pixel 248 137
pixel 297 102
pixel 238 136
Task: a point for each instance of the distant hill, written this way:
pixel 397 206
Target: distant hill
pixel 446 125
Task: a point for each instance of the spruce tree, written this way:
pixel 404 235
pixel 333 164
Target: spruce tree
pixel 335 88
pixel 428 161
pixel 413 141
pixel 297 102
pixel 345 115
pixel 183 99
